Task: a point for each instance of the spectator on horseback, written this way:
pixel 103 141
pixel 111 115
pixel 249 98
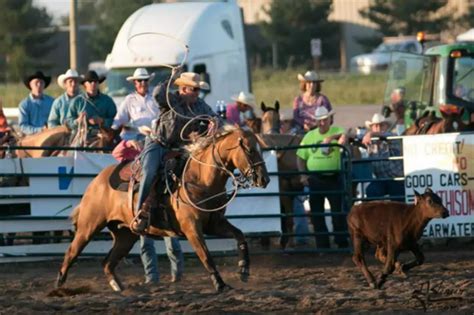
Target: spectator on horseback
pixel 242 109
pixel 310 99
pixel 67 81
pixel 136 113
pixel 387 169
pixel 327 161
pixel 168 133
pixel 34 109
pixel 96 108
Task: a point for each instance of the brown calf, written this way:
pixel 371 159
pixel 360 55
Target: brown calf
pixel 392 227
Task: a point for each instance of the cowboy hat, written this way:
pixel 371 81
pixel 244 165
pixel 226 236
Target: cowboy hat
pixel 245 98
pixel 191 79
pixel 141 74
pixel 37 75
pixel 311 76
pixel 70 74
pixel 322 113
pixel 377 119
pixel 90 76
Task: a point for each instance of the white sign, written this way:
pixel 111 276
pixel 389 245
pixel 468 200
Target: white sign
pixel 445 164
pixel 316 47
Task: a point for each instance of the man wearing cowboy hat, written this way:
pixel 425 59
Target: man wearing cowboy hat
pixel 138 110
pixel 378 127
pixel 326 160
pixel 244 102
pixel 98 109
pixel 167 133
pixel 69 82
pixel 34 109
pixel 310 99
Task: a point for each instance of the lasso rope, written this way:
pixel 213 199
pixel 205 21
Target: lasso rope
pixel 207 133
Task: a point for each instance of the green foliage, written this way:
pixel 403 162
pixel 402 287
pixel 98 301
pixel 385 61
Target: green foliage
pixel 399 17
pixel 108 16
pixel 21 43
pixel 294 23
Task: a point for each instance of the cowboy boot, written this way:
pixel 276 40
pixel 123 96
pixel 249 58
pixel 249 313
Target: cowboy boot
pixel 142 220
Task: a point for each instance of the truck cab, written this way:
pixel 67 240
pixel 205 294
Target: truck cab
pixel 442 76
pixel 156 37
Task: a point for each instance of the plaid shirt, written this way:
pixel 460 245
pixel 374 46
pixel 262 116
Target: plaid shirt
pixel 385 149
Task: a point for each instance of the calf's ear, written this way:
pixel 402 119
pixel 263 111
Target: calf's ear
pixel 417 196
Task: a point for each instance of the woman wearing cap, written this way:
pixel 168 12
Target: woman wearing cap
pixel 327 162
pixel 34 109
pixel 310 99
pixel 98 108
pixel 69 82
pixel 378 127
pixel 244 102
pixel 167 133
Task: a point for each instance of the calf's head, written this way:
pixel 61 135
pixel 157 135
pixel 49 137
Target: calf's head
pixel 431 204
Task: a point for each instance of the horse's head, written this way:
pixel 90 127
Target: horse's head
pixel 270 118
pixel 245 154
pixel 452 119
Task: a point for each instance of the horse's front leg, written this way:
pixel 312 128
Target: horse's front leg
pixel 195 237
pixel 225 229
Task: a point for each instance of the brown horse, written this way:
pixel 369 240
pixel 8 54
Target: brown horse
pixel 429 124
pixel 102 206
pixel 51 137
pixel 270 118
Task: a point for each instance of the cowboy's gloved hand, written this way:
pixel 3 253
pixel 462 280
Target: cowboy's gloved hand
pixel 367 139
pixel 96 121
pixel 176 71
pixel 134 144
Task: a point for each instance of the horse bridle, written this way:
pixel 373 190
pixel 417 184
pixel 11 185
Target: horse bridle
pixel 250 174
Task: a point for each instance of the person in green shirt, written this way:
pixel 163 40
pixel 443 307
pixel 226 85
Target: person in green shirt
pixel 326 160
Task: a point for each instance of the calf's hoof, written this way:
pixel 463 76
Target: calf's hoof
pixel 60 280
pixel 115 285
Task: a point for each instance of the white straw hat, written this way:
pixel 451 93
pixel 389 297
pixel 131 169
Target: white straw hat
pixel 377 119
pixel 245 98
pixel 70 74
pixel 322 113
pixel 311 76
pixel 141 74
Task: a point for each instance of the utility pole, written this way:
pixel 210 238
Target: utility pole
pixel 73 35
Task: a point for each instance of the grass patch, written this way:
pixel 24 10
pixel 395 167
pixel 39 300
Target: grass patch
pixel 340 88
pixel 268 86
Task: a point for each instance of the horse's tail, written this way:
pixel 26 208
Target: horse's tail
pixel 75 215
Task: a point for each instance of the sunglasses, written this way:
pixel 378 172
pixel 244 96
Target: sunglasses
pixel 142 80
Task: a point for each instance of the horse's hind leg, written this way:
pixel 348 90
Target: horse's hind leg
pixel 81 238
pixel 196 239
pixel 225 229
pixel 123 243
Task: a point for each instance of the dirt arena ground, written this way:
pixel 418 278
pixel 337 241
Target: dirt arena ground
pixel 280 283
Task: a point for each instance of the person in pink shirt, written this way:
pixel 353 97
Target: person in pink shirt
pixel 308 101
pixel 243 106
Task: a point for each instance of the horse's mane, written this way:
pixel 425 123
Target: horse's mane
pixel 204 142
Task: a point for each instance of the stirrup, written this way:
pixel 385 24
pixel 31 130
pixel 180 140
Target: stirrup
pixel 140 222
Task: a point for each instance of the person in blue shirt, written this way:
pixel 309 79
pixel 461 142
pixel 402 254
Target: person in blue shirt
pixel 34 109
pixel 69 82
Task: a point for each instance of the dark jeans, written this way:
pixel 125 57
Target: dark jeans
pixel 327 183
pixel 390 188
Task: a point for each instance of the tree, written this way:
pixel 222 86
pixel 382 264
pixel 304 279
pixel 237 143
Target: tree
pixel 399 17
pixel 24 34
pixel 294 23
pixel 108 16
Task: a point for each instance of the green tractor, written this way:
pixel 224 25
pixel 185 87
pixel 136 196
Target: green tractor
pixel 441 78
